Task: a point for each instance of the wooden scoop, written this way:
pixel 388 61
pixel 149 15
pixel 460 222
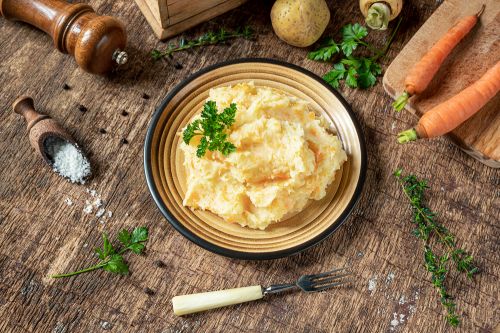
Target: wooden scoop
pixel 96 42
pixel 41 127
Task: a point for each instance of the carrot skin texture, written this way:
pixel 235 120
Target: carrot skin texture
pixel 422 73
pixel 450 114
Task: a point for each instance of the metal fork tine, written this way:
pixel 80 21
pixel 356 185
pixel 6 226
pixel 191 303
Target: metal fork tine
pixel 320 275
pixel 331 285
pixel 330 279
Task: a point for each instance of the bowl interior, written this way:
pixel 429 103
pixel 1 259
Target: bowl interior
pixel 167 178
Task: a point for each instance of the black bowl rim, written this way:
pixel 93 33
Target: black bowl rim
pixel 239 254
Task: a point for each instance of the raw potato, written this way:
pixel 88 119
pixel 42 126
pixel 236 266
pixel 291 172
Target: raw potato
pixel 300 22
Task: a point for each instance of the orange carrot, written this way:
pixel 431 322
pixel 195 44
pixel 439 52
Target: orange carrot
pixel 448 115
pixel 423 71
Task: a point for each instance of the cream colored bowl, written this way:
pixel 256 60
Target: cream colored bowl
pixel 166 176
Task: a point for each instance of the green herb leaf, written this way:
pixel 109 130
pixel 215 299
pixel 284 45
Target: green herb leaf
pixel 368 72
pixel 107 247
pixel 125 237
pixel 327 50
pixel 336 74
pixel 211 127
pixel 116 264
pixel 352 34
pixel 140 234
pixel 427 226
pixel 112 260
pixel 354 31
pixel 220 36
pixel 358 72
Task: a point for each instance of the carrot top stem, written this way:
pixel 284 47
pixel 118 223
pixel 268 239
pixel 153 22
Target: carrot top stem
pixel 401 101
pixel 407 136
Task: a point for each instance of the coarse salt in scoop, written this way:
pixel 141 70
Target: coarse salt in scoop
pixel 53 143
pixel 67 159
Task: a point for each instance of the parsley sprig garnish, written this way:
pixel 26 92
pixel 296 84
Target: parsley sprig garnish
pixel 427 226
pixel 209 38
pixel 111 259
pixel 357 72
pixel 211 127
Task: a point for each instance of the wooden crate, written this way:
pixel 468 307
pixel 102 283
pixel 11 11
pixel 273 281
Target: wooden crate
pixel 171 17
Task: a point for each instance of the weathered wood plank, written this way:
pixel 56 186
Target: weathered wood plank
pixel 40 234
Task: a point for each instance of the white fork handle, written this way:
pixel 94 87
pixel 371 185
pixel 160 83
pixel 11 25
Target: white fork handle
pixel 187 304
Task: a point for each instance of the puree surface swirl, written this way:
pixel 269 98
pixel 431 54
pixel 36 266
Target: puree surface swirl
pixel 284 157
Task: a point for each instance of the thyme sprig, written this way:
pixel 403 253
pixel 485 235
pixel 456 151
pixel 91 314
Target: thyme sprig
pixel 220 36
pixel 426 227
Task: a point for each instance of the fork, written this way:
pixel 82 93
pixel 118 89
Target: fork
pixel 187 304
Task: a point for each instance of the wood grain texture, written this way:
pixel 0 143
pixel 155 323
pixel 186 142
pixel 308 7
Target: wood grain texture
pixel 40 234
pixel 480 50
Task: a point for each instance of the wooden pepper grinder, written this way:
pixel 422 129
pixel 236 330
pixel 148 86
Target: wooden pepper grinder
pixel 96 42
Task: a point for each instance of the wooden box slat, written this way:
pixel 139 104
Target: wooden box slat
pixel 170 17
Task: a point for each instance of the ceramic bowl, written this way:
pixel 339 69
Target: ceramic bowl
pixel 166 176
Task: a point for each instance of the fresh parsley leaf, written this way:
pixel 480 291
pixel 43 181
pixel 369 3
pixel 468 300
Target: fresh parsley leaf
pixel 140 234
pixel 191 131
pixel 107 247
pixel 336 74
pixel 228 115
pixel 116 264
pixel 352 77
pixel 228 148
pixel 358 72
pixel 136 247
pixel 211 127
pixel 112 260
pixel 327 50
pixel 125 237
pixel 352 34
pixel 354 31
pixel 348 46
pixel 202 147
pixel 367 73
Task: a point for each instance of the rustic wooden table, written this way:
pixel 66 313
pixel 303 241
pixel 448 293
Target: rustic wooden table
pixel 41 234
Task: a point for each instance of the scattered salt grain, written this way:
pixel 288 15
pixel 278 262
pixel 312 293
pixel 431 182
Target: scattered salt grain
pixel 394 322
pixel 68 201
pixel 88 209
pixel 372 284
pixel 100 212
pixel 402 300
pixel 105 325
pixel 67 159
pixel 85 245
pixel 98 203
pixel 389 278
